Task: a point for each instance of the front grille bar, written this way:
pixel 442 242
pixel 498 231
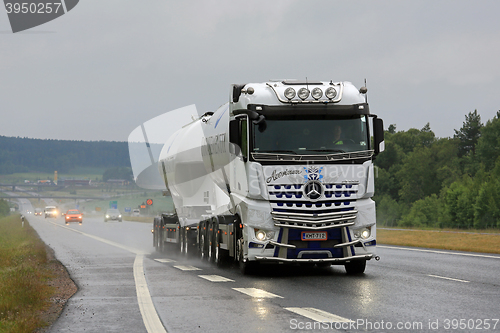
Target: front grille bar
pixel 321 215
pixel 314 227
pixel 340 219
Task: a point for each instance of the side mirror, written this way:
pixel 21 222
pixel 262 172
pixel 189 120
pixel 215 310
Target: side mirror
pixel 378 135
pixel 63 214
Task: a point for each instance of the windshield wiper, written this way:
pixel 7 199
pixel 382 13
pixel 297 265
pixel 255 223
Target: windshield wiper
pixel 275 151
pixel 328 150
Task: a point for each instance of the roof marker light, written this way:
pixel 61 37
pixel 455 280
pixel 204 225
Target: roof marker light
pixel 303 93
pixel 317 93
pixel 289 93
pixel 331 93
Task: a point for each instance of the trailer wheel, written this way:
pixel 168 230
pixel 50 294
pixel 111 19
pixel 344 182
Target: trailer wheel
pixel 210 241
pixel 204 240
pixel 221 256
pixel 184 243
pixel 355 267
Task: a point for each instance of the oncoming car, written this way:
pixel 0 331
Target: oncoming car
pixel 73 215
pixel 51 211
pixel 38 212
pixel 113 214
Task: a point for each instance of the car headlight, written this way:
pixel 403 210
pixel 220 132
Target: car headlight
pixel 107 216
pixel 119 216
pixel 67 217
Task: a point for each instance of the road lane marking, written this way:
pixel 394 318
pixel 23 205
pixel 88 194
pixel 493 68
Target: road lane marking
pixel 258 293
pixel 441 252
pixel 164 260
pixel 148 312
pixel 319 315
pixel 187 268
pixel 215 278
pixel 149 315
pixel 447 278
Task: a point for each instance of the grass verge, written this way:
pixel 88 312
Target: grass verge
pixel 27 277
pixel 445 240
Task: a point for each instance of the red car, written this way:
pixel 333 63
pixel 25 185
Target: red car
pixel 73 215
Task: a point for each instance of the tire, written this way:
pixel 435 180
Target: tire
pixel 355 267
pixel 210 241
pixel 203 243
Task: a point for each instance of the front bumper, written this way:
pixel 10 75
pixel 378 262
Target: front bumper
pixel 330 260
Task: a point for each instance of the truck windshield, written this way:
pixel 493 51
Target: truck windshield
pixel 312 136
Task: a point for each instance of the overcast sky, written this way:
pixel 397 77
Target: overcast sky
pixel 107 66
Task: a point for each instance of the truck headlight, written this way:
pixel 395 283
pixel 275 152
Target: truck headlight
pixel 363 233
pixel 263 235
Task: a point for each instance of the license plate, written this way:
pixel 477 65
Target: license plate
pixel 313 236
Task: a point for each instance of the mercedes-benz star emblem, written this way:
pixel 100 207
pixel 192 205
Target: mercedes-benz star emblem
pixel 313 190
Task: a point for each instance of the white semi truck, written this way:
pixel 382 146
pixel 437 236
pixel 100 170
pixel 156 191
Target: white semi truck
pixel 283 173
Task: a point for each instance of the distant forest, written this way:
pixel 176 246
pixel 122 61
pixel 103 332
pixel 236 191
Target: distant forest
pixel 424 181
pixel 29 155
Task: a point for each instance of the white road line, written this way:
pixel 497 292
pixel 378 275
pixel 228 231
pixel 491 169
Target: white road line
pixel 149 316
pixel 187 268
pixel 258 293
pixel 447 278
pixel 164 260
pixel 319 315
pixel 441 252
pixel 215 278
pixel 148 312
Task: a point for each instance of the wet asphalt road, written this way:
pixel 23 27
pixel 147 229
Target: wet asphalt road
pixel 408 290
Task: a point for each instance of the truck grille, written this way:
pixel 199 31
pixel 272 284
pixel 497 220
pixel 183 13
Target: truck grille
pixel 292 209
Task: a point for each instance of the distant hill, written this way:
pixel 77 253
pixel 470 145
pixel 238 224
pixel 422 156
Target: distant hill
pixel 25 155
